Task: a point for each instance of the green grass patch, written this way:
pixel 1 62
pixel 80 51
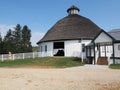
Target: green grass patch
pixel 52 62
pixel 115 66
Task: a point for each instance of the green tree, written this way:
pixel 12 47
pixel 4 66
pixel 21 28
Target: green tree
pixel 0 38
pixel 1 44
pixel 26 35
pixel 8 42
pixel 18 39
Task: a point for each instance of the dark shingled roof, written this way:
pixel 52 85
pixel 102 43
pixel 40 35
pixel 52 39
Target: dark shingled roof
pixel 115 33
pixel 71 27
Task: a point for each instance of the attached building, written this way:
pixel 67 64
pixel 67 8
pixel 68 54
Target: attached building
pixel 104 48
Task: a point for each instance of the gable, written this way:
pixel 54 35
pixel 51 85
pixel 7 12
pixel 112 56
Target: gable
pixel 103 37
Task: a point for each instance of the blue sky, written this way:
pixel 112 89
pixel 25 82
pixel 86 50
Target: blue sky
pixel 41 15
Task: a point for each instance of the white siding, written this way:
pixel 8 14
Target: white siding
pixel 117 51
pixel 117 61
pixel 49 51
pixel 73 48
pixel 103 38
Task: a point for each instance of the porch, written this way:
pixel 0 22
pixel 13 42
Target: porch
pixel 101 49
pixel 99 53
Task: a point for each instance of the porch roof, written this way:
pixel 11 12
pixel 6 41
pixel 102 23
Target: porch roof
pixel 115 33
pixel 101 43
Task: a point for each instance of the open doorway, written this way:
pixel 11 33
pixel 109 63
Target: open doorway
pixel 58 48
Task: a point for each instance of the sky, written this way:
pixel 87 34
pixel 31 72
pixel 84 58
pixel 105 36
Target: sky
pixel 41 15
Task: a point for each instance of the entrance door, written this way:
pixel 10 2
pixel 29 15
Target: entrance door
pixel 58 48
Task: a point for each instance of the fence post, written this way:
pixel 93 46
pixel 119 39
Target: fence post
pixel 2 58
pixel 23 56
pixel 13 57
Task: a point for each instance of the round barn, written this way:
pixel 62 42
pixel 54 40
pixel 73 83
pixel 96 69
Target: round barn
pixel 69 36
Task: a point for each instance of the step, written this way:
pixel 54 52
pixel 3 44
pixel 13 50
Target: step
pixel 102 61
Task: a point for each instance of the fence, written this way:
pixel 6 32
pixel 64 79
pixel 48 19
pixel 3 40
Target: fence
pixel 18 56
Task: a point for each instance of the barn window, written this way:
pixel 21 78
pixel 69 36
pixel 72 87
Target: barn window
pixel 118 47
pixel 41 49
pixel 58 45
pixel 83 47
pixel 79 41
pixel 45 48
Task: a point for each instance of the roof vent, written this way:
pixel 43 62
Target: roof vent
pixel 73 10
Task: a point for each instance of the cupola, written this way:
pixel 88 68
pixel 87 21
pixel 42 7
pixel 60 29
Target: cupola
pixel 73 10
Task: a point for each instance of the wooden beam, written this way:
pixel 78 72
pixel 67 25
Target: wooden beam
pixel 94 53
pixel 105 50
pixel 99 51
pixel 113 53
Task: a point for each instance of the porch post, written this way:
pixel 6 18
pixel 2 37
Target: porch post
pixel 94 52
pixel 113 53
pixel 89 51
pixel 99 50
pixel 105 50
pixel 86 51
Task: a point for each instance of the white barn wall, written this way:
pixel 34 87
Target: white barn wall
pixel 117 52
pixel 49 51
pixel 73 48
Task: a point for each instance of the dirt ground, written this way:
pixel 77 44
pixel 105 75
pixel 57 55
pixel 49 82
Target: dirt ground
pixel 59 79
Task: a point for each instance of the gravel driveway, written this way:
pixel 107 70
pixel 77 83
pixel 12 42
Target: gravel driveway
pixel 88 77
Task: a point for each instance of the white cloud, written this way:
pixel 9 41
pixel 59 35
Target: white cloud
pixel 5 28
pixel 36 36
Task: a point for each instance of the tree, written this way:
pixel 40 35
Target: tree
pixel 26 35
pixel 18 39
pixel 0 38
pixel 9 42
pixel 1 44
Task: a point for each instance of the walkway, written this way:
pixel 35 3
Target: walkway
pixel 90 66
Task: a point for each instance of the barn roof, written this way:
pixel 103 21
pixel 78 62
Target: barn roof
pixel 72 27
pixel 115 33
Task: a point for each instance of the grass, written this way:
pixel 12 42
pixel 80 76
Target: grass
pixel 115 66
pixel 52 62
